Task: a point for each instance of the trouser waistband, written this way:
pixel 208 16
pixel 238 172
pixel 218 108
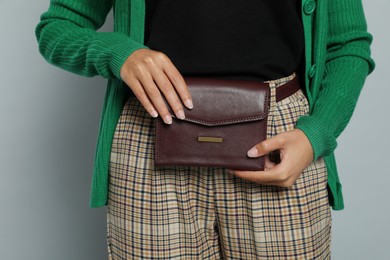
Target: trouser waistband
pixel 285 86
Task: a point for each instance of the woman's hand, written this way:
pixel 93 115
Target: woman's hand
pixel 296 153
pixel 151 75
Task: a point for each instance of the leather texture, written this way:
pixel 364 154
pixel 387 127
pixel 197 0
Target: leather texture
pixel 234 110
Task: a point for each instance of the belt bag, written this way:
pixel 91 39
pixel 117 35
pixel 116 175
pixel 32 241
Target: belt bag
pixel 229 117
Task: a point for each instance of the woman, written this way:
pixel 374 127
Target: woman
pixel 211 213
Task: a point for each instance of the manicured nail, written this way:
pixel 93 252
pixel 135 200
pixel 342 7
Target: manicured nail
pixel 154 113
pixel 180 114
pixel 168 119
pixel 252 152
pixel 189 104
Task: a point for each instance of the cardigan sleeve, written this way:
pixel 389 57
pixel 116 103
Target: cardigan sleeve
pixel 67 38
pixel 348 63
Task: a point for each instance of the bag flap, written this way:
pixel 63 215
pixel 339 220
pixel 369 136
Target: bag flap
pixel 226 101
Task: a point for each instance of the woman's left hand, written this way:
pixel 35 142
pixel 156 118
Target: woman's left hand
pixel 296 153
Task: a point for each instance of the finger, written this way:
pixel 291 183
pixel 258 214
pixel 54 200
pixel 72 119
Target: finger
pixel 267 146
pixel 264 177
pixel 141 95
pixel 165 86
pixel 180 85
pixel 268 164
pixel 155 97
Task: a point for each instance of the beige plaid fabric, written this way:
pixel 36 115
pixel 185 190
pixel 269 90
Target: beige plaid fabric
pixel 206 213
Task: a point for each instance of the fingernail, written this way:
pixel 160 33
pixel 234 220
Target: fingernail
pixel 168 119
pixel 252 152
pixel 154 113
pixel 189 104
pixel 180 114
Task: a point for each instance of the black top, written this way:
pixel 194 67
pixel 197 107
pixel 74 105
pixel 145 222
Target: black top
pixel 260 39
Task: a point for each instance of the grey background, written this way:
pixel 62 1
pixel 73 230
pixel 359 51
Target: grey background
pixel 49 123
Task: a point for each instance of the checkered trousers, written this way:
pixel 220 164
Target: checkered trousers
pixel 207 213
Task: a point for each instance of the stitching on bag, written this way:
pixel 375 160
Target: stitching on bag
pixel 265 125
pixel 225 122
pixel 157 147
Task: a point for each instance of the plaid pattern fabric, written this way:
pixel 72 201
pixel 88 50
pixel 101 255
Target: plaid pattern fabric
pixel 206 213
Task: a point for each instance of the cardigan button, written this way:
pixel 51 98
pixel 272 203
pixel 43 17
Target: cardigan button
pixel 312 71
pixel 309 7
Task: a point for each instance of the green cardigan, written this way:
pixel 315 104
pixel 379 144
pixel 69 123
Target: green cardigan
pixel 337 62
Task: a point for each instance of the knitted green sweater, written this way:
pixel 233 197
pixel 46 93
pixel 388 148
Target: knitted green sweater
pixel 337 61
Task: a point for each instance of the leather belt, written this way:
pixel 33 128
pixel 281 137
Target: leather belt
pixel 287 89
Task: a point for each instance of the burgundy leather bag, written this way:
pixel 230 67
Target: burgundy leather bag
pixel 229 117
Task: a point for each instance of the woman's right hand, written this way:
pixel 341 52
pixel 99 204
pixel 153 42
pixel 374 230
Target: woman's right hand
pixel 151 75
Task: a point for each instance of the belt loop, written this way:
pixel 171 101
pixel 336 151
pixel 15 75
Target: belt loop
pixel 271 108
pixel 272 97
